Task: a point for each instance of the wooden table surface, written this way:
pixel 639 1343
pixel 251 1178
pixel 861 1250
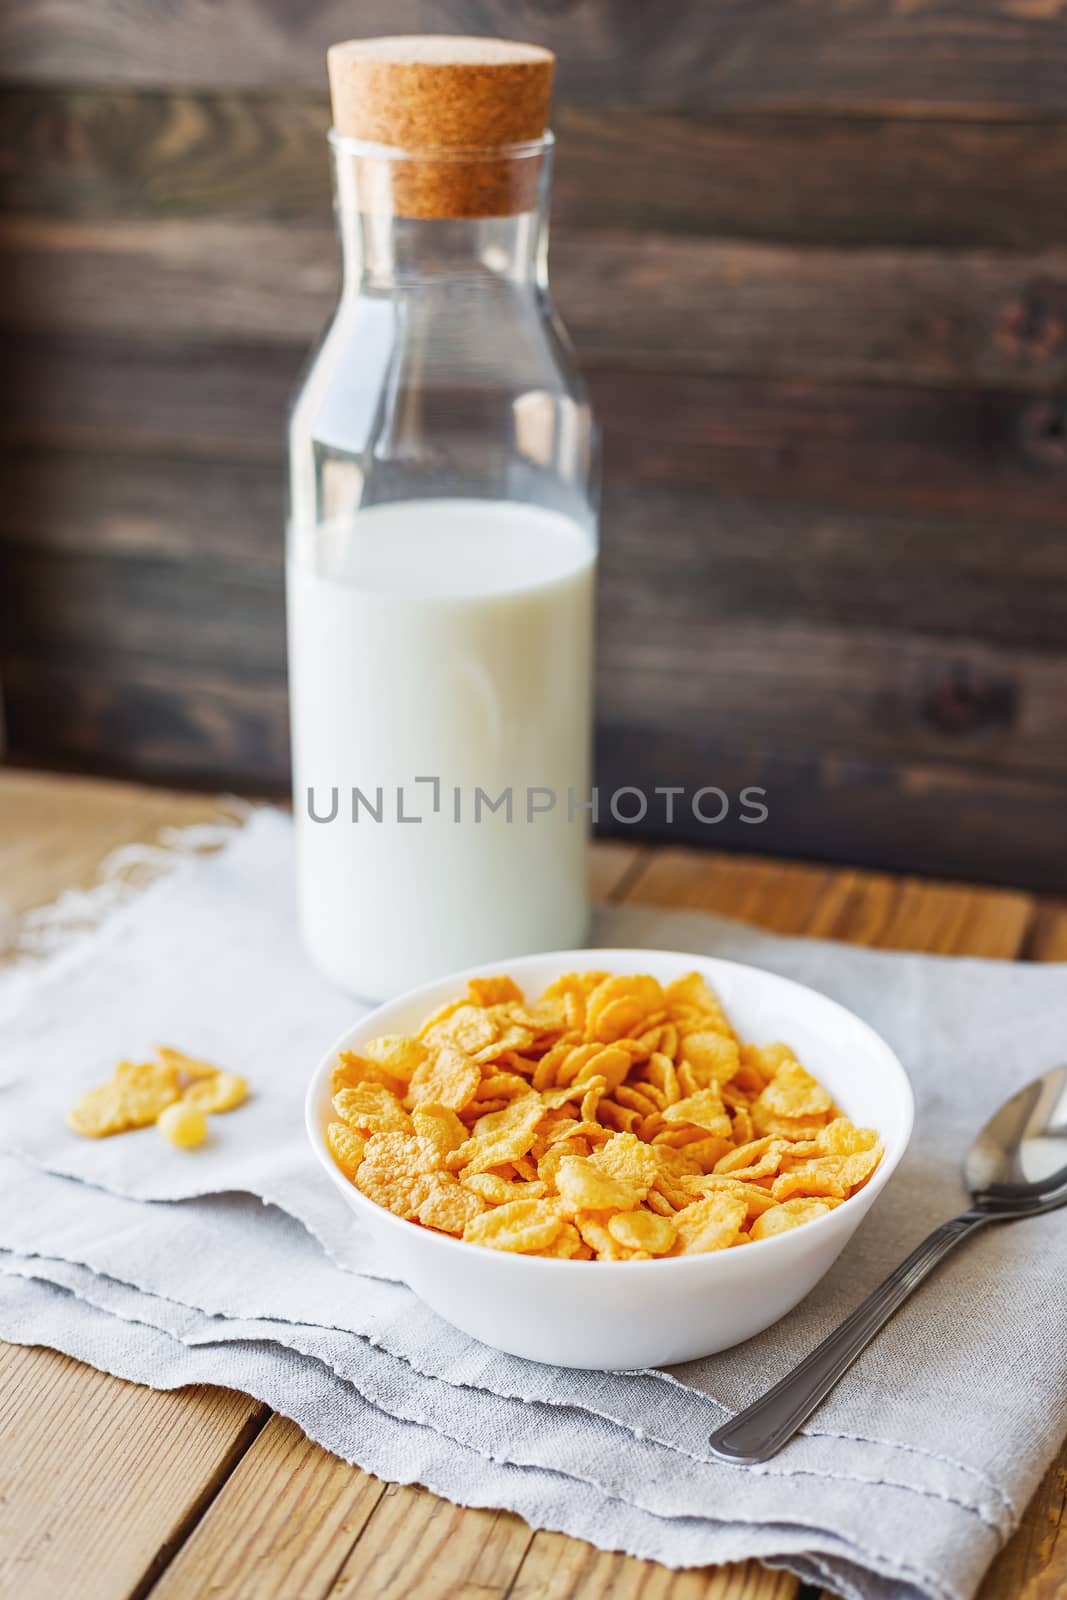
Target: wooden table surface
pixel 109 1491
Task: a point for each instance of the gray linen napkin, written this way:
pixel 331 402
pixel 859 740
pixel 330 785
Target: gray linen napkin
pixel 911 1472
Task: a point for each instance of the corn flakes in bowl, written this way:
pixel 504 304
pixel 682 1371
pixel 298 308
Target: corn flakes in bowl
pixel 610 1158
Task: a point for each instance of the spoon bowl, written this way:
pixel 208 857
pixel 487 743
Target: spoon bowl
pixel 1018 1163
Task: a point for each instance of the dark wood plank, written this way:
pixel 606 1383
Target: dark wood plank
pixel 798 688
pixel 210 399
pixel 987 453
pixel 205 510
pixel 95 153
pixel 109 612
pixel 973 319
pixel 164 722
pixel 666 660
pixel 809 178
pixel 992 55
pixel 149 721
pixel 951 822
pixel 719 556
pixel 982 453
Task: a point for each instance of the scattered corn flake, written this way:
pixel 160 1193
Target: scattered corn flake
pixel 139 1092
pixel 221 1093
pixel 189 1066
pixel 182 1125
pixel 147 1087
pixel 99 1113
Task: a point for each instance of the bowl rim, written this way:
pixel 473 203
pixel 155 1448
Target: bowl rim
pixel 696 1262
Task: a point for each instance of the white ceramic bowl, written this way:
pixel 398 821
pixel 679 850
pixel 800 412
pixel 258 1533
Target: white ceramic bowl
pixel 640 1313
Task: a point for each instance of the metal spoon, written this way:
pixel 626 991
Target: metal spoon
pixel 1017 1167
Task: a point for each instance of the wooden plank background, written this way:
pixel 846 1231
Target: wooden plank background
pixel 814 257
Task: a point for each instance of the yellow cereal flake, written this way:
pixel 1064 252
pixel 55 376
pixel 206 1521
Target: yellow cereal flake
pixel 351 1070
pixel 99 1113
pixel 139 1092
pixel 626 1157
pixel 790 1214
pixel 188 1066
pixel 704 1110
pixel 521 1225
pixel 440 1127
pixel 611 1119
pixel 567 1244
pixel 222 1092
pixel 712 1223
pixel 643 1230
pixel 500 1136
pixel 185 1126
pixel 493 991
pixel 346 1147
pixel 713 1058
pixel 794 1093
pixel 498 1191
pixel 585 1187
pixel 447 1077
pixel 371 1108
pixel 448 1206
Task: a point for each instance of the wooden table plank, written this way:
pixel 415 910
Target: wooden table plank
pixel 99 1479
pixel 867 908
pixel 416 1545
pixel 284 1521
pixel 55 831
pixel 558 1568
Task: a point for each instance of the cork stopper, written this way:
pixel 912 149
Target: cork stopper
pixel 455 106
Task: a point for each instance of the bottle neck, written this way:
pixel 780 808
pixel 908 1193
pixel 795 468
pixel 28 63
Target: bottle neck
pixel 385 248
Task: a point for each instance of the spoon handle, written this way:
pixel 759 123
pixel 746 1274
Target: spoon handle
pixel 760 1431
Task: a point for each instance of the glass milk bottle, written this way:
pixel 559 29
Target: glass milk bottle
pixel 442 537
